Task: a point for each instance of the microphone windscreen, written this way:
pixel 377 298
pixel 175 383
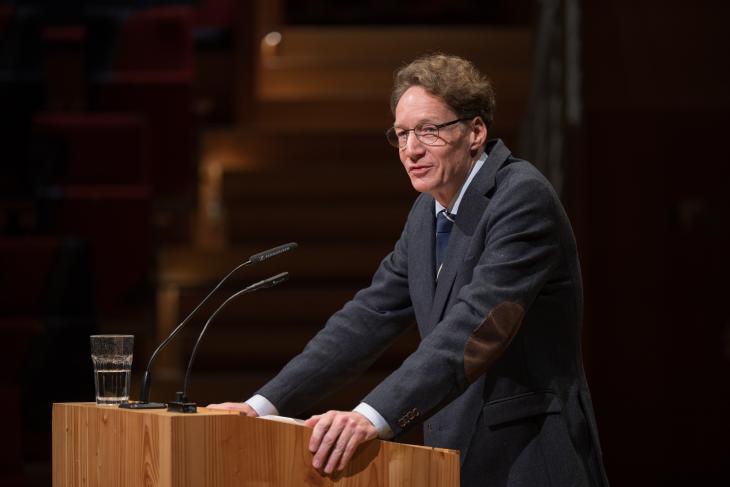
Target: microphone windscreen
pixel 268 254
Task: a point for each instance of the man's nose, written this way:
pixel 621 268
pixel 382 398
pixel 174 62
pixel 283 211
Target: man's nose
pixel 413 147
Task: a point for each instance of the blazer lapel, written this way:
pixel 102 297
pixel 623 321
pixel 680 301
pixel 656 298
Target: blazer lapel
pixel 471 210
pixel 421 252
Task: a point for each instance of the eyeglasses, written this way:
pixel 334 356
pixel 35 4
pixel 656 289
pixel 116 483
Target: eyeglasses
pixel 428 133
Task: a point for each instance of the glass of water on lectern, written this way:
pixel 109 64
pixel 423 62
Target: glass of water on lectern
pixel 112 357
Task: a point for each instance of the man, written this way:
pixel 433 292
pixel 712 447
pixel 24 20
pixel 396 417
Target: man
pixel 487 265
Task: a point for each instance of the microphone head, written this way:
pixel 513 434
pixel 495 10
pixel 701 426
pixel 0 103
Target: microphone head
pixel 265 283
pixel 268 254
pixel 274 280
pixel 279 278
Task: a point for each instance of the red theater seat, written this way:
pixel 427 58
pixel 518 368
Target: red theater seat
pixel 163 100
pixel 215 14
pixel 116 221
pixel 151 75
pixel 6 15
pixel 156 39
pixel 101 148
pixel 26 264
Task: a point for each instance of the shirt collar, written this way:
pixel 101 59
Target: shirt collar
pixel 474 170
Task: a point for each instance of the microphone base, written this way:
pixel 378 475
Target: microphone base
pixel 182 407
pixel 142 405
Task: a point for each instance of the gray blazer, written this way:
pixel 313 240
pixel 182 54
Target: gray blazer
pixel 498 373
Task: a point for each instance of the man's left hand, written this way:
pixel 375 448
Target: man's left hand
pixel 336 436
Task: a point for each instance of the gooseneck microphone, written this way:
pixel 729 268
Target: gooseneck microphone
pixel 181 403
pixel 144 394
pixel 267 254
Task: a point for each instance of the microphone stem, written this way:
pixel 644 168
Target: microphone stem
pixel 266 283
pixel 202 332
pixel 145 387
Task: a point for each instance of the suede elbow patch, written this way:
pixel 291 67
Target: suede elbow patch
pixel 490 338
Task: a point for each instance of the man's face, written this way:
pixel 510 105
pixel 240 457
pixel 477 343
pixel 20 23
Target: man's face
pixel 442 168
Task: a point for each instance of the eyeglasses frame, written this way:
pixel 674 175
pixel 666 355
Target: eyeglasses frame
pixel 418 127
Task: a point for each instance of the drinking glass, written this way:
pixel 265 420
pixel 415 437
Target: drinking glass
pixel 112 357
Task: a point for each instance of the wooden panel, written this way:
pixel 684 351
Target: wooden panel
pixel 99 446
pixel 115 447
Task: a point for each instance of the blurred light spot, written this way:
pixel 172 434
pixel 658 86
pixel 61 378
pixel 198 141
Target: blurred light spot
pixel 272 39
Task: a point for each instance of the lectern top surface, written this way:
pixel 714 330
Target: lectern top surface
pixel 161 412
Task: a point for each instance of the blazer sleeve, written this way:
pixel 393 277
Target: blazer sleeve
pixel 352 339
pixel 521 246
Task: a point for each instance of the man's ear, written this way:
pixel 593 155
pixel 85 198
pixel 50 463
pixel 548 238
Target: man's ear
pixel 478 134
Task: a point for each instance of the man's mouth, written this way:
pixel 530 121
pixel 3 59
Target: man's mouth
pixel 419 170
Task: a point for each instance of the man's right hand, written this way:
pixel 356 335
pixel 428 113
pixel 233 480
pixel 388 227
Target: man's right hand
pixel 241 407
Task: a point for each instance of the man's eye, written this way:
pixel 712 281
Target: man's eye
pixel 400 133
pixel 428 130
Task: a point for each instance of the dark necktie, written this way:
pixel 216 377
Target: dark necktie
pixel 444 223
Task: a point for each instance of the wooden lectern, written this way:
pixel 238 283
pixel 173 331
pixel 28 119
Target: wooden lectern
pixel 111 447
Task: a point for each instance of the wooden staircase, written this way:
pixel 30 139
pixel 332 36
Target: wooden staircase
pixel 339 78
pixel 314 167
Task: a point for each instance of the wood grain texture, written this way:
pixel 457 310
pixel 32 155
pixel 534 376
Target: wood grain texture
pixel 110 447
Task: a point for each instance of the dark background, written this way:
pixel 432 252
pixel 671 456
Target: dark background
pixel 148 147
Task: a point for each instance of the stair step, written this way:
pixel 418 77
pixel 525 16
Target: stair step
pixel 364 222
pixel 358 63
pixel 185 266
pixel 312 116
pixel 306 184
pixel 298 304
pixel 335 78
pixel 269 148
pixel 384 44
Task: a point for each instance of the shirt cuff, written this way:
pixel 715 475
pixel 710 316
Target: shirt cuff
pixel 262 406
pixel 381 425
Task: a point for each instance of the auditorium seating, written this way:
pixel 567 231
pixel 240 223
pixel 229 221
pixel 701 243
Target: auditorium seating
pixel 157 39
pixel 92 148
pixel 97 135
pixel 46 315
pixel 26 264
pixel 6 14
pixel 151 75
pixel 116 220
pixel 163 102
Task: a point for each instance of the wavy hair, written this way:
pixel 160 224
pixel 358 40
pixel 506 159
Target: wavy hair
pixel 453 79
